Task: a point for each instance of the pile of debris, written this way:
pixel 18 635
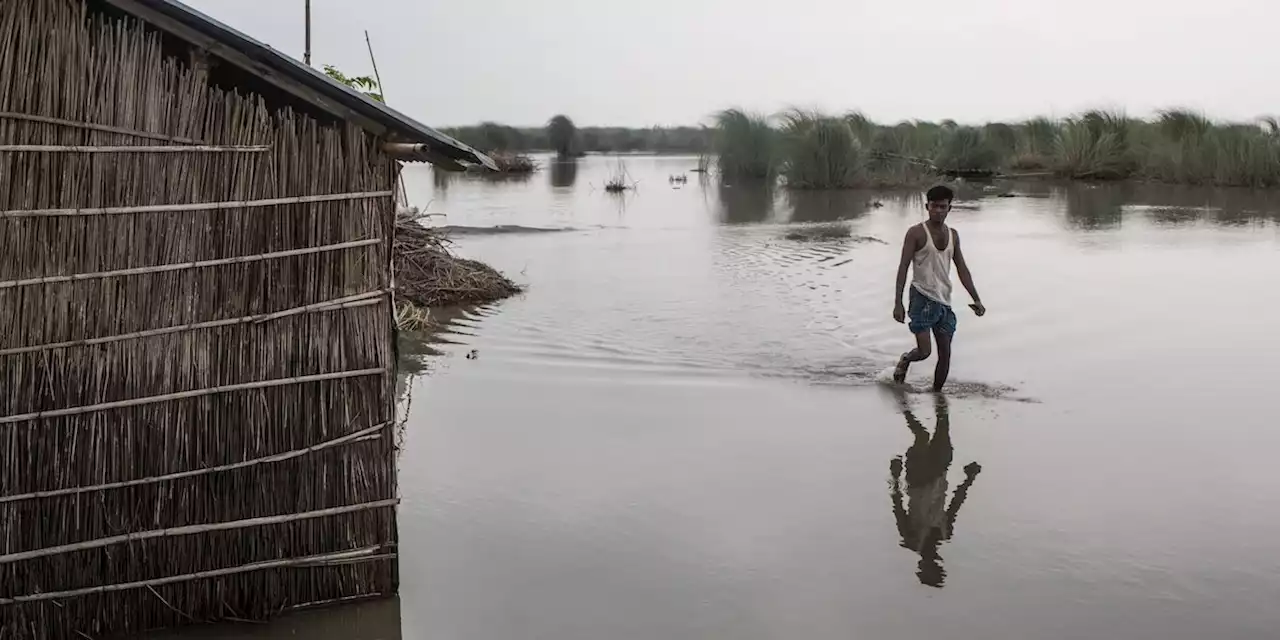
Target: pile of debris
pixel 429 275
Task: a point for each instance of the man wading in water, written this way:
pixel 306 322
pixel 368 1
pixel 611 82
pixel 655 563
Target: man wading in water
pixel 929 249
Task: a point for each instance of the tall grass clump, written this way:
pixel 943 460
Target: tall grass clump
pixel 1245 156
pixel 746 146
pixel 1036 140
pixel 1001 139
pixel 1096 145
pixel 1179 148
pixel 968 150
pixel 864 129
pixel 903 154
pixel 820 152
pixel 812 150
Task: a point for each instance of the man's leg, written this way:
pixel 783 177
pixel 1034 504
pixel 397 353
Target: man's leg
pixel 943 369
pixel 922 352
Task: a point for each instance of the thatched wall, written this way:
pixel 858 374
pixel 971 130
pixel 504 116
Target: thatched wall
pixel 183 391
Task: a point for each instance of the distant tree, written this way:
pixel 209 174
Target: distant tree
pixel 561 132
pixel 364 84
pixel 494 136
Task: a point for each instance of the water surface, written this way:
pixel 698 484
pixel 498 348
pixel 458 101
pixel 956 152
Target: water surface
pixel 681 431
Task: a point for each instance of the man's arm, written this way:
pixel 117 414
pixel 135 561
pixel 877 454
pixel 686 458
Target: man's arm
pixel 966 278
pixel 908 251
pixel 971 472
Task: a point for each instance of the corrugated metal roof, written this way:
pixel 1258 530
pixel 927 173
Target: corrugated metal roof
pixel 186 23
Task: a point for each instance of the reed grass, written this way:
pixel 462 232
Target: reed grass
pixel 821 152
pixel 746 147
pixel 812 150
pixel 133 401
pixel 967 150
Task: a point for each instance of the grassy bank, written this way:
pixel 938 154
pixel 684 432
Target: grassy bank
pixel 812 150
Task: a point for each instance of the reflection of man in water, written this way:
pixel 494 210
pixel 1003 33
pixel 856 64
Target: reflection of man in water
pixel 927 521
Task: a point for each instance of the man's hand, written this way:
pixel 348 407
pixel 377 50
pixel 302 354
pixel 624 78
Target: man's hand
pixel 972 469
pixel 899 313
pixel 979 309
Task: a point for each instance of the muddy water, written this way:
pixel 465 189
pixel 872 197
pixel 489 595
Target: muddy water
pixel 681 430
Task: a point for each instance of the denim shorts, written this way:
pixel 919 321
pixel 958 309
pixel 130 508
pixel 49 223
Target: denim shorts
pixel 928 314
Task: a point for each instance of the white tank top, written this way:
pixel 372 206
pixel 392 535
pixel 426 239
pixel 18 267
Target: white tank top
pixel 931 268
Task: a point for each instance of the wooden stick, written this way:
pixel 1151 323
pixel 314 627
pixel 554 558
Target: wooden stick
pixel 327 603
pixel 337 562
pixel 199 206
pixel 9 115
pixel 50 148
pixel 183 266
pixel 121 404
pixel 366 554
pixel 376 76
pixel 193 529
pixel 349 302
pixel 351 438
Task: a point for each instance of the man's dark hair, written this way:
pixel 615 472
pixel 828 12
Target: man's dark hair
pixel 940 193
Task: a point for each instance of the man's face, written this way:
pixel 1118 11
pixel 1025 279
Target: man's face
pixel 938 209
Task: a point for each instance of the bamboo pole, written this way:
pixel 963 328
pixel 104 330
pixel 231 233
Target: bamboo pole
pixel 306 55
pixel 183 266
pixel 366 554
pixel 199 206
pixel 318 604
pixel 52 148
pixel 418 152
pixel 351 438
pixel 347 302
pixel 121 404
pixel 376 76
pixel 350 302
pixel 97 127
pixel 193 529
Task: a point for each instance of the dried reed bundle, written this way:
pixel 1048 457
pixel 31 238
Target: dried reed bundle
pixel 429 275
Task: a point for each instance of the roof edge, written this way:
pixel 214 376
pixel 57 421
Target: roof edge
pixel 293 76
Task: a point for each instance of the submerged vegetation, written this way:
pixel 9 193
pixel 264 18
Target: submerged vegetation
pixel 620 181
pixel 812 150
pixel 820 232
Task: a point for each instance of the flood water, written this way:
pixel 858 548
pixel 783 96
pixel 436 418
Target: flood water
pixel 682 429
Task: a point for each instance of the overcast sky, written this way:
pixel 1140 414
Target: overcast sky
pixel 649 62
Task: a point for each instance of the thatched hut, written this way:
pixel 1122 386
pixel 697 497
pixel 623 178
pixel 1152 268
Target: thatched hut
pixel 197 354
